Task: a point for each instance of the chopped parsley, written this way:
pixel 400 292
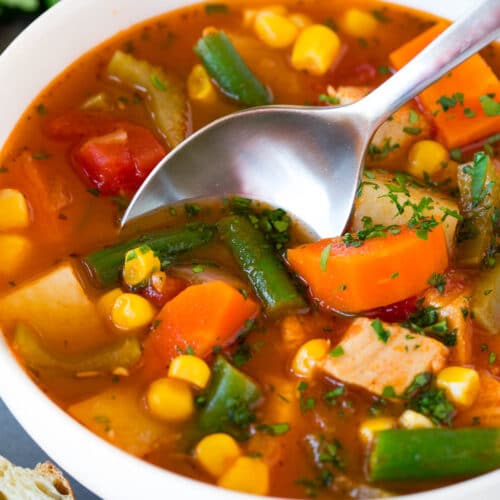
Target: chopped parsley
pixel 3 170
pixel 383 70
pixel 456 154
pixel 242 355
pixel 328 99
pixel 381 153
pixel 451 213
pixel 382 334
pixel 412 130
pixel 274 429
pixel 432 403
pixel 448 102
pixel 41 156
pixel 469 113
pixel 492 357
pixel 369 231
pixel 313 486
pixel 380 16
pixel 388 392
pixel 332 395
pixel 216 8
pixel 413 117
pixel 94 192
pixel 41 109
pixel 238 413
pixel 329 453
pixel 157 83
pixel 489 105
pixel 438 281
pixel 192 210
pixel 305 403
pixel 337 351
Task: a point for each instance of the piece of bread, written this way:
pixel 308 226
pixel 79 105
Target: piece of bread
pixel 46 482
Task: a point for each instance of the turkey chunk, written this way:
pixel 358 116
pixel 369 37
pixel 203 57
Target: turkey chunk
pixel 373 364
pixel 394 138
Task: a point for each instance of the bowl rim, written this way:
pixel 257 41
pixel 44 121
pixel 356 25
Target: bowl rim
pixel 83 454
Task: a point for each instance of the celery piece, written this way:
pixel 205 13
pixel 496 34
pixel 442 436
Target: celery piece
pixel 486 300
pixel 123 354
pixel 166 99
pixel 479 188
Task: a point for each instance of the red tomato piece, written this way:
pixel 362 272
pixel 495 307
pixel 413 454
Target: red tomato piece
pixel 118 162
pixel 76 125
pixel 160 294
pixel 394 313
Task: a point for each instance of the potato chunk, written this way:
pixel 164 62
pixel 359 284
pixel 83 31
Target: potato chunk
pixel 369 362
pixel 117 415
pixel 58 308
pixel 391 143
pixel 373 202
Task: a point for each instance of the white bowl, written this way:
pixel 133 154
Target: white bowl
pixel 41 53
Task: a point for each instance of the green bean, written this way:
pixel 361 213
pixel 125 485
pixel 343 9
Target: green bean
pixel 229 400
pixel 400 454
pixel 225 65
pixel 263 267
pixel 105 265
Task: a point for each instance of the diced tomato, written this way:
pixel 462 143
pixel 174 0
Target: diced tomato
pixel 394 313
pixel 170 288
pixel 118 162
pixel 76 125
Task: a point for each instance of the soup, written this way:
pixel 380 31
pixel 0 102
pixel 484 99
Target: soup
pixel 215 338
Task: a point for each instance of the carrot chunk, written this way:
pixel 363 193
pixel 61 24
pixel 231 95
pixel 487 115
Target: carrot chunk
pixel 381 271
pixel 197 319
pixel 465 121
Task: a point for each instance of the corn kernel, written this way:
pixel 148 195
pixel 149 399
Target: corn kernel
pixel 107 301
pixel 191 369
pixel 370 427
pixel 14 251
pixel 308 355
pixel 131 312
pixel 248 475
pixel 216 453
pixel 140 263
pixel 426 156
pixel 460 384
pixel 200 86
pixel 359 23
pixel 300 20
pixel 410 419
pixel 170 400
pixel 14 212
pixel 315 49
pixel 275 30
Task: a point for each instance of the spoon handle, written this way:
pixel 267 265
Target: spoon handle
pixel 473 31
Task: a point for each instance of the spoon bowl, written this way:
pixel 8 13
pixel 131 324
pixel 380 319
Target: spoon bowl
pixel 306 160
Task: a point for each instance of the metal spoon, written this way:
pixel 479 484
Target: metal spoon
pixel 305 160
